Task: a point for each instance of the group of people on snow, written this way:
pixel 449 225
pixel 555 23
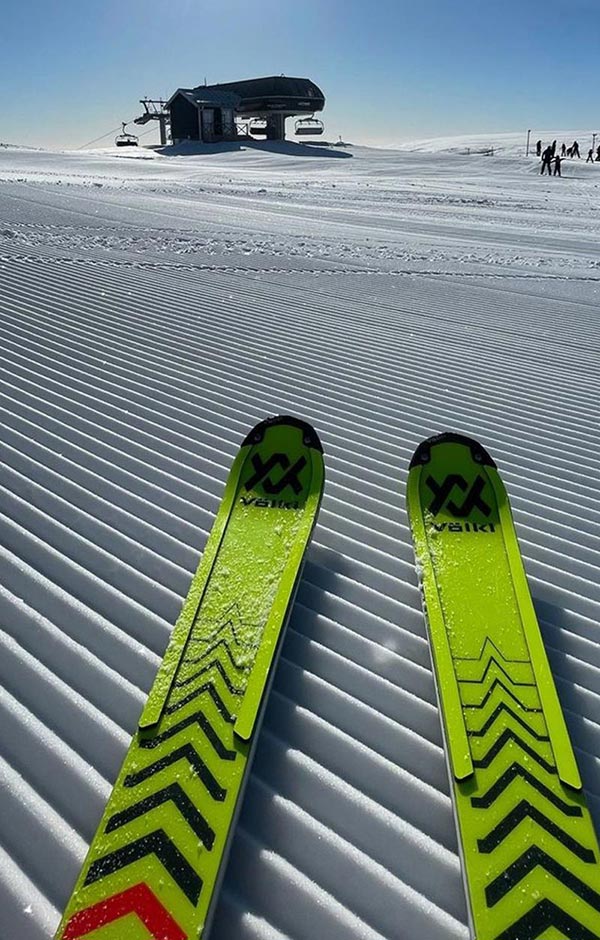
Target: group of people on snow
pixel 549 156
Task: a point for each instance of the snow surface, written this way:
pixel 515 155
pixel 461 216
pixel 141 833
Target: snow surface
pixel 506 144
pixel 152 308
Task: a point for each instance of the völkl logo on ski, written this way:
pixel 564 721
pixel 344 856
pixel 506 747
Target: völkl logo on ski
pixel 442 496
pixel 262 472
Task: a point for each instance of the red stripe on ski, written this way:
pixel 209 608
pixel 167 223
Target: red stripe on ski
pixel 138 900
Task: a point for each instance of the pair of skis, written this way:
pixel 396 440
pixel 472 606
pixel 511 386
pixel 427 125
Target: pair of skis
pixel 529 852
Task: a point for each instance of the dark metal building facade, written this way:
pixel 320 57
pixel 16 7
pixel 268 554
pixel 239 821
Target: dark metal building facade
pixel 208 112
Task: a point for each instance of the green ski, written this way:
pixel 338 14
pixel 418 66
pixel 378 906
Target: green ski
pixel 529 852
pixel 156 862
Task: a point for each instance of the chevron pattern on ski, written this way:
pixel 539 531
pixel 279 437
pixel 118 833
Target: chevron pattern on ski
pixel 517 773
pixel 175 794
pixel 526 810
pixel 506 731
pixel 200 719
pixel 544 915
pixel 222 686
pixel 186 752
pixel 534 858
pixel 231 632
pixel 515 671
pixel 216 665
pixel 508 736
pixel 156 843
pixel 209 743
pixel 216 647
pixel 192 696
pixel 182 761
pixel 505 710
pixel 194 746
pixel 501 789
pixel 477 695
pixel 138 900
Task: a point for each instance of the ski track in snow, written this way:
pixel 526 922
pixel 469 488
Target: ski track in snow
pixel 151 311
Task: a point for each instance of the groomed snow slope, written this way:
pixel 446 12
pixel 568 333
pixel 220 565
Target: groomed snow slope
pixel 152 309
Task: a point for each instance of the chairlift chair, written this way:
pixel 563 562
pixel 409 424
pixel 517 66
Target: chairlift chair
pixel 258 127
pixel 126 140
pixel 308 126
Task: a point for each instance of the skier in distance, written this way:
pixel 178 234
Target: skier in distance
pixel 546 161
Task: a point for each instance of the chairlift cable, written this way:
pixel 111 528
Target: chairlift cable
pixel 108 134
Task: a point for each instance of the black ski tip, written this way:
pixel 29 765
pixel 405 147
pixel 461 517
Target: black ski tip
pixel 309 435
pixel 422 454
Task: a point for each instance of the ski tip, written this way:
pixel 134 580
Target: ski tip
pixel 310 436
pixel 422 454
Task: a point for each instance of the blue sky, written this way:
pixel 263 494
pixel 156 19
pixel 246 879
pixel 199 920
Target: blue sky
pixel 390 69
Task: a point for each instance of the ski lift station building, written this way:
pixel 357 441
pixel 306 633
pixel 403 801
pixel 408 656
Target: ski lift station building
pixel 211 112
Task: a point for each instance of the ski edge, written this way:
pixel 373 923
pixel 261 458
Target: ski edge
pixel 163 680
pixel 445 677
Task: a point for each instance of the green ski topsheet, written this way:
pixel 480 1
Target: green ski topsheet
pixel 155 864
pixel 529 852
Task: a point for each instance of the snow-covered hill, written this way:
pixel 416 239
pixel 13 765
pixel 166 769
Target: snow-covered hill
pixel 152 308
pixel 504 144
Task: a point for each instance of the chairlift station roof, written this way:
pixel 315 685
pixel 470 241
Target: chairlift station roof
pixel 203 96
pixel 257 96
